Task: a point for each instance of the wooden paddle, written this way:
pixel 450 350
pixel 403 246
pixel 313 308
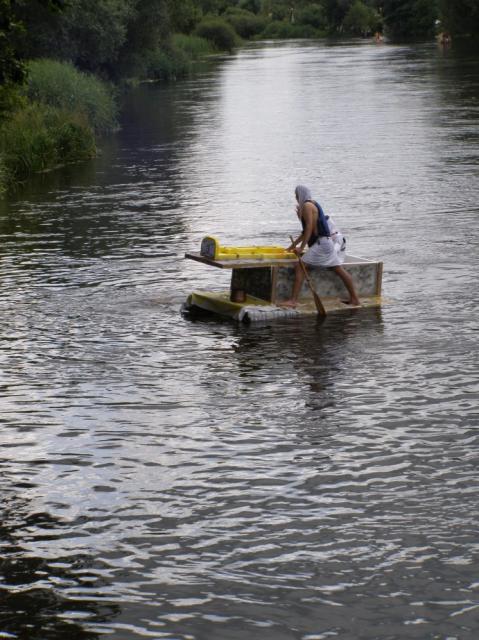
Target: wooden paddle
pixel 317 300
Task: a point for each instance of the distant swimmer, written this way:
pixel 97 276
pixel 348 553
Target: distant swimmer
pixel 444 39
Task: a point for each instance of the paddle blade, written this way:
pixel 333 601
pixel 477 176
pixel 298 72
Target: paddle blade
pixel 319 305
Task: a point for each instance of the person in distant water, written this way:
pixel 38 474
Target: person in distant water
pixel 327 245
pixel 444 40
pixel 378 38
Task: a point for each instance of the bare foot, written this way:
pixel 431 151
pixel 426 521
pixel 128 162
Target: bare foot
pixel 352 303
pixel 288 303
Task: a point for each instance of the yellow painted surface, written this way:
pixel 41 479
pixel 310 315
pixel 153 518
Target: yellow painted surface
pixel 215 251
pixel 219 302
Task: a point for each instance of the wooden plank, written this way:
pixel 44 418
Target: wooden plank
pixel 379 278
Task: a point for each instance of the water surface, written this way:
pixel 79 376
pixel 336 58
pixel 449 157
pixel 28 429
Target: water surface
pixel 170 479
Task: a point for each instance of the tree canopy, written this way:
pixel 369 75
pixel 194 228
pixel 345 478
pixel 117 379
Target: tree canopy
pixel 406 19
pixel 460 17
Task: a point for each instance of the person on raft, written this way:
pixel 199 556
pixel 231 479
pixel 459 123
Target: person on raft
pixel 327 246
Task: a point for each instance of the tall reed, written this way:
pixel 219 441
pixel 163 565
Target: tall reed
pixel 59 84
pixel 39 138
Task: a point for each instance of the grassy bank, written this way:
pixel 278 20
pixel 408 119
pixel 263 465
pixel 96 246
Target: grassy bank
pixel 40 138
pixel 57 116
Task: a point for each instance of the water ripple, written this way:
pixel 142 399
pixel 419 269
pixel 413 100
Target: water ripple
pixel 187 480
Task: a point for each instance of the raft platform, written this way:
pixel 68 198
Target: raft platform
pixel 261 280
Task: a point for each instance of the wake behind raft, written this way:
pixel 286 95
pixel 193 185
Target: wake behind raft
pixel 263 277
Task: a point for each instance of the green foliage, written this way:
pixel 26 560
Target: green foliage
pixel 12 69
pixel 279 11
pixel 253 6
pixel 219 32
pixel 147 28
pixel 193 47
pixel 406 19
pixel 100 36
pixel 59 84
pixel 313 15
pixel 245 23
pixel 212 6
pixel 461 17
pixel 4 182
pixel 184 16
pixel 282 29
pixel 360 20
pixel 39 138
pixel 163 64
pixel 89 33
pixel 336 11
pixel 11 99
pixel 172 61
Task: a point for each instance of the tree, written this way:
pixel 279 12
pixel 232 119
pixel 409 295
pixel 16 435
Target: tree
pixel 250 5
pixel 405 19
pixel 11 67
pixel 212 6
pixel 460 17
pixel 89 33
pixel 183 16
pixel 12 32
pixel 148 26
pixel 314 15
pixel 100 36
pixel 360 19
pixel 336 11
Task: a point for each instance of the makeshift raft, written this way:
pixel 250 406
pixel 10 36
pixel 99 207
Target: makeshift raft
pixel 263 277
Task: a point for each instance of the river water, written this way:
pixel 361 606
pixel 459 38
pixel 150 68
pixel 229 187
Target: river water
pixel 197 480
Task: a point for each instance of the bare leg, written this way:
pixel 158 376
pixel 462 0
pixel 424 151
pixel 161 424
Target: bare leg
pixel 349 284
pixel 298 281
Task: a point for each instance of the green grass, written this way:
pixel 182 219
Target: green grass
pixel 60 85
pixel 193 46
pixel 166 64
pixel 55 123
pixel 282 29
pixel 39 138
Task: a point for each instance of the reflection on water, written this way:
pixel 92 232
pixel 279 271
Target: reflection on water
pixel 180 479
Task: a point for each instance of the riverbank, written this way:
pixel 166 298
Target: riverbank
pixel 63 108
pixel 59 116
pixel 60 113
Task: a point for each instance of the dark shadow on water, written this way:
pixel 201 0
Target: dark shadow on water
pixel 32 601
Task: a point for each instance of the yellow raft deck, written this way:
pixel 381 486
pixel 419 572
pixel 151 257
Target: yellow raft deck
pixel 262 277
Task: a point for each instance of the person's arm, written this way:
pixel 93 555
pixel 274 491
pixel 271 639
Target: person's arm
pixel 307 215
pixel 292 247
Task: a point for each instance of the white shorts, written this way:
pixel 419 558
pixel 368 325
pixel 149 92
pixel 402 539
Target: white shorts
pixel 326 252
